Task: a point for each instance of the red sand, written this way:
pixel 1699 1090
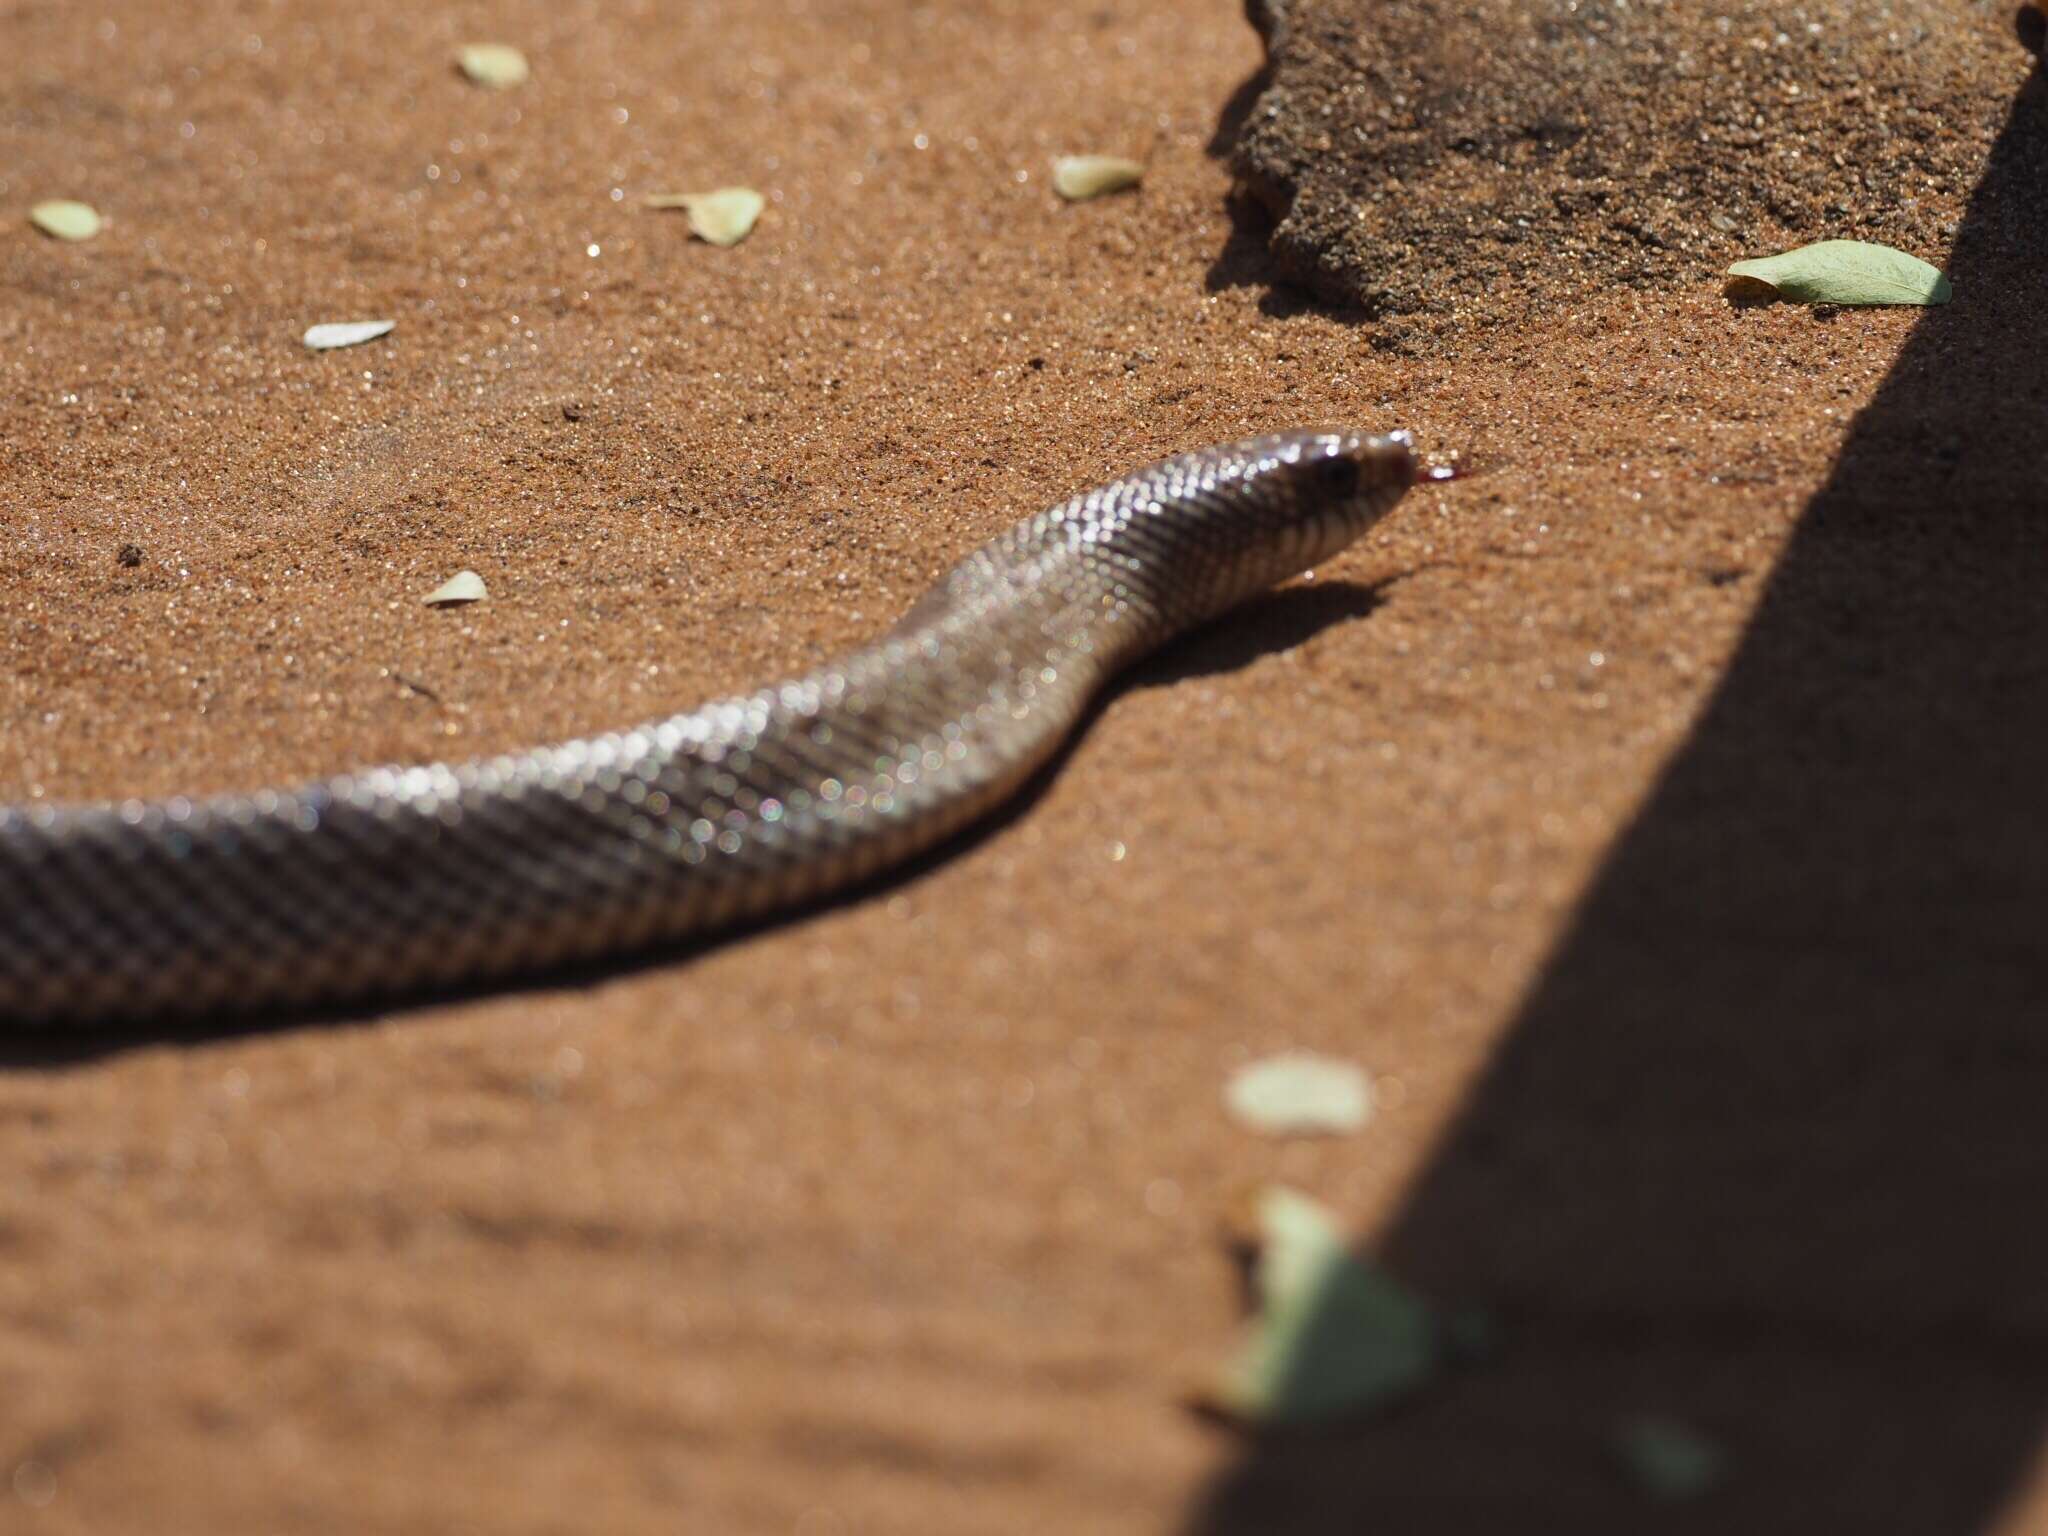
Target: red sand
pixel 901 1218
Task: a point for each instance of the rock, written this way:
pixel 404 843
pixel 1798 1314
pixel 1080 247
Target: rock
pixel 1589 143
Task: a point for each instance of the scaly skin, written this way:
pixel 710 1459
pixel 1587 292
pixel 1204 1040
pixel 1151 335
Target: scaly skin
pixel 407 878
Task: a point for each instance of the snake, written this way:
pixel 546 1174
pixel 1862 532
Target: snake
pixel 409 879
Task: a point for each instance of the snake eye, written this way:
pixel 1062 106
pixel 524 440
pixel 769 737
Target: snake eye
pixel 1338 476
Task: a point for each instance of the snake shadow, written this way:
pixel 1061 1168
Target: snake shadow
pixel 1765 1149
pixel 1268 625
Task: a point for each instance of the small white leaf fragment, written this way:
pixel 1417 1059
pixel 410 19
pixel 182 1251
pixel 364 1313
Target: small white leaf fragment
pixel 724 217
pixel 1847 272
pixel 462 587
pixel 346 333
pixel 1299 1094
pixel 497 65
pixel 1080 177
pixel 1668 1459
pixel 1334 1335
pixel 62 219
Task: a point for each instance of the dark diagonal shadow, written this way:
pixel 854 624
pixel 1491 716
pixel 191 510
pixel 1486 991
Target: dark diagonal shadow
pixel 1766 1148
pixel 1276 622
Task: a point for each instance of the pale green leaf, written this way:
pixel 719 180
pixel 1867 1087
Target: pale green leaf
pixel 497 65
pixel 1666 1458
pixel 346 333
pixel 1334 1335
pixel 1847 272
pixel 1471 1335
pixel 462 587
pixel 63 219
pixel 723 217
pixel 1080 177
pixel 1299 1094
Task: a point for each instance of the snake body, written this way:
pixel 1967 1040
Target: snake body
pixel 399 879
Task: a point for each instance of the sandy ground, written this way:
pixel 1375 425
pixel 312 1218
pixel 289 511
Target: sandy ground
pixel 1658 817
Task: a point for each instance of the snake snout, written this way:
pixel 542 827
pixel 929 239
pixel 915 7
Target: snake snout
pixel 1384 461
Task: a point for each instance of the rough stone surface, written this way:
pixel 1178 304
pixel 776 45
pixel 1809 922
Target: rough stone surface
pixel 1422 158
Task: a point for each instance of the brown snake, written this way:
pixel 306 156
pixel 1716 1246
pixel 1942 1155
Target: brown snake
pixel 405 878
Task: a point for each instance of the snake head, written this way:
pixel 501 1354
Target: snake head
pixel 1386 463
pixel 1322 490
pixel 1354 474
